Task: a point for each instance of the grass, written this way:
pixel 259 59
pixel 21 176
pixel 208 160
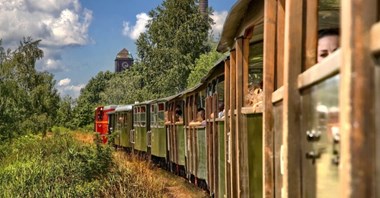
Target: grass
pixel 70 164
pixel 59 165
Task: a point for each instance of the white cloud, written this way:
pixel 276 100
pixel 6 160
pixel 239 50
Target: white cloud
pixel 66 88
pixel 219 18
pixel 58 23
pixel 135 31
pixel 64 82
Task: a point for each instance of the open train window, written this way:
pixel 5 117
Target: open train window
pixel 255 74
pixel 255 64
pixel 220 88
pixel 161 113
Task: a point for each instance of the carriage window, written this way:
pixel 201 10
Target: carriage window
pixel 137 116
pixel 220 92
pixel 142 116
pixel 255 74
pixel 100 115
pixel 153 109
pixel 161 113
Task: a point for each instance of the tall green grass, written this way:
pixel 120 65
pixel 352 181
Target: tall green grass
pixel 60 166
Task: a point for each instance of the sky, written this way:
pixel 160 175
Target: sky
pixel 80 38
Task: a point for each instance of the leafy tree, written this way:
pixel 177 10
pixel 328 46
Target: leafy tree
pixel 89 98
pixel 202 65
pixel 176 35
pixel 28 99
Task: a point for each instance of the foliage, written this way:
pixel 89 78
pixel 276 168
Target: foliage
pixel 65 112
pixel 89 98
pixel 176 35
pixel 202 65
pixel 28 99
pixel 124 88
pixel 32 166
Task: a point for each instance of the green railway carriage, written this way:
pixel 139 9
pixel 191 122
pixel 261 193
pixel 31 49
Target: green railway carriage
pixel 176 134
pixel 112 127
pixel 196 136
pixel 141 125
pixel 123 125
pixel 158 131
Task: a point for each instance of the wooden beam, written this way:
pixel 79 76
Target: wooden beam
pixel 227 125
pixel 270 22
pixel 327 68
pixel 279 72
pixel 245 66
pixel 310 33
pixel 278 95
pixel 234 178
pixel 377 87
pixel 215 145
pixel 208 142
pixel 291 120
pixel 241 142
pixel 357 99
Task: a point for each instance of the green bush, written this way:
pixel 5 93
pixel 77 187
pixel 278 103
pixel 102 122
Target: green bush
pixel 33 166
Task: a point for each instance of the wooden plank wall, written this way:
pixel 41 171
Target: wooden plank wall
pixel 357 113
pixel 269 83
pixel 291 110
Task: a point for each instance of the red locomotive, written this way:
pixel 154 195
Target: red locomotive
pixel 101 120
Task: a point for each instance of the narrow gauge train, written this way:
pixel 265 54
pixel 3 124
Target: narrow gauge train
pixel 314 131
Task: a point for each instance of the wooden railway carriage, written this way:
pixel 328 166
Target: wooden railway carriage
pixel 123 124
pixel 159 150
pixel 214 82
pixel 242 36
pixel 315 131
pixel 141 128
pixel 101 121
pixel 196 136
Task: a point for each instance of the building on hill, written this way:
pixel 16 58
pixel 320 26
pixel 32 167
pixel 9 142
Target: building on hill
pixel 123 60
